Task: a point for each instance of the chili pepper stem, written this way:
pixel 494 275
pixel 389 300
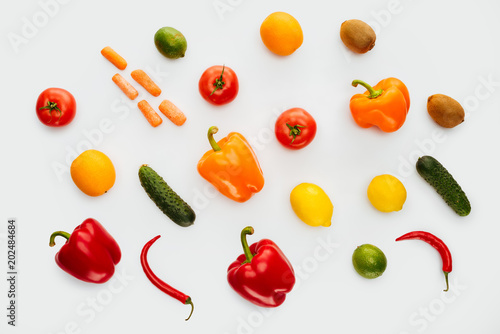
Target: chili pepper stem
pixel 190 302
pixel 211 131
pixel 373 93
pixel 52 242
pixel 244 243
pixel 446 277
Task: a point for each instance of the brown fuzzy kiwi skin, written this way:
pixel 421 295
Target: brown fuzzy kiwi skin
pixel 357 36
pixel 445 111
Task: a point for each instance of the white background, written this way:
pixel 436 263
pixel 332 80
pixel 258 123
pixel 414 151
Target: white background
pixel 448 47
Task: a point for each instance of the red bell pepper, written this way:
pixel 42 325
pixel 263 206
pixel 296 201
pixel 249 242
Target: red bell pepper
pixel 262 275
pixel 89 254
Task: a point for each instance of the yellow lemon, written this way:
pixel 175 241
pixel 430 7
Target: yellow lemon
pixel 281 33
pixel 93 172
pixel 386 193
pixel 311 204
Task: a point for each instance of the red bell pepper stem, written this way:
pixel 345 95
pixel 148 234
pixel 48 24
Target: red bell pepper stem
pixel 183 298
pixel 211 131
pixel 244 243
pixel 52 242
pixel 373 93
pixel 438 244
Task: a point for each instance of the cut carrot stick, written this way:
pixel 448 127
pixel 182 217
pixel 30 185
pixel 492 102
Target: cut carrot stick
pixel 127 88
pixel 153 118
pixel 145 81
pixel 172 112
pixel 114 58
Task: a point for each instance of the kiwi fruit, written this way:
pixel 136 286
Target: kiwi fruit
pixel 445 111
pixel 357 35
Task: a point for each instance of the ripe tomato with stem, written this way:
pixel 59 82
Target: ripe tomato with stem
pixel 56 107
pixel 218 85
pixel 295 128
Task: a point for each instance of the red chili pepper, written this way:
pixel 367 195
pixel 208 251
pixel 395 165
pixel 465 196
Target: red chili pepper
pixel 435 242
pixel 262 275
pixel 90 252
pixel 183 298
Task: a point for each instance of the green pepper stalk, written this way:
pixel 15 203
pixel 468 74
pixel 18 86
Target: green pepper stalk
pixel 373 93
pixel 246 250
pixel 52 242
pixel 211 131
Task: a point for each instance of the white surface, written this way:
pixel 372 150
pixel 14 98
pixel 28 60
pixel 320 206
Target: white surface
pixel 448 47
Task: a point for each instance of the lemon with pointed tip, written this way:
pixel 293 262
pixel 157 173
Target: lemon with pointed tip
pixel 386 193
pixel 312 205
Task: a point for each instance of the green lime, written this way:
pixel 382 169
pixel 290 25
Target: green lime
pixel 369 261
pixel 170 42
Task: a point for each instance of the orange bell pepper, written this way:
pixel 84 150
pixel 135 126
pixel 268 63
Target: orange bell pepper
pixel 231 166
pixel 385 105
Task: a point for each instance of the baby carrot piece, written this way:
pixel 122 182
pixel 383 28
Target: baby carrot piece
pixel 114 58
pixel 127 88
pixel 153 118
pixel 172 112
pixel 145 81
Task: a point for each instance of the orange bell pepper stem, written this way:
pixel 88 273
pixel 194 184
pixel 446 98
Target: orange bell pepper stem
pixel 385 105
pixel 231 166
pixel 372 93
pixel 211 131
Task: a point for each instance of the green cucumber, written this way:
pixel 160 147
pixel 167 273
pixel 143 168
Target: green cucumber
pixel 165 198
pixel 438 177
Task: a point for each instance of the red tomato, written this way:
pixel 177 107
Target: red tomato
pixel 55 107
pixel 218 85
pixel 295 128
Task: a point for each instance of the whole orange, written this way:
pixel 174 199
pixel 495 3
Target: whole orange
pixel 93 172
pixel 281 33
